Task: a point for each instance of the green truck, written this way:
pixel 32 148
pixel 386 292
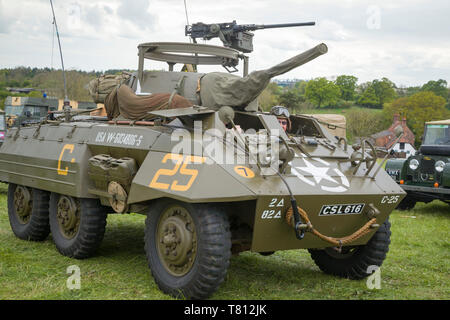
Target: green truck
pixel 426 175
pixel 25 110
pixel 20 111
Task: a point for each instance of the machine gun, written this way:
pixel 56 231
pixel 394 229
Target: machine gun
pixel 233 35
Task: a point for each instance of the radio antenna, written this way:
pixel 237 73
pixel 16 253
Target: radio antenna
pixel 66 99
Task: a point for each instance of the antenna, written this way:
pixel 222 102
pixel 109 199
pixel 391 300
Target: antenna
pixel 66 99
pixel 187 21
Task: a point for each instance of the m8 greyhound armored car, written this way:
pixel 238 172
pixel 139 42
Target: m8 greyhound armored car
pixel 213 174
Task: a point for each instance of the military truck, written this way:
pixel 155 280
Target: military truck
pixel 213 175
pixel 21 111
pixel 25 110
pixel 426 175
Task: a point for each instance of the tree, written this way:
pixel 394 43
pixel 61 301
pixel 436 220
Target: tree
pixel 347 85
pixel 291 99
pixel 438 87
pixel 368 97
pixel 419 108
pixel 321 91
pixel 378 93
pixel 384 90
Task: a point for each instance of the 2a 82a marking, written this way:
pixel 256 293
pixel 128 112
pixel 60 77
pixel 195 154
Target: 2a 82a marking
pixel 270 213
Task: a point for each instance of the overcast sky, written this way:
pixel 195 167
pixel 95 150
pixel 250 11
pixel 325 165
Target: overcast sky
pixel 407 41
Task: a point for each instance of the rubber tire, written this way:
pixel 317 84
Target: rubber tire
pixel 37 228
pixel 356 266
pixel 408 203
pixel 90 232
pixel 213 252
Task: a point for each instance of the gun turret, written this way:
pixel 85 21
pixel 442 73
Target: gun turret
pixel 233 35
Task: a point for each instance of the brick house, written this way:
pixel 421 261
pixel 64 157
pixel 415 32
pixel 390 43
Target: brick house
pixel 385 139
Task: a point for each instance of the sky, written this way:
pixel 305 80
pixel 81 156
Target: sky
pixel 407 41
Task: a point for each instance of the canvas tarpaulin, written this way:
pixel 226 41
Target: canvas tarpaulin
pixel 219 89
pixel 334 123
pixel 123 101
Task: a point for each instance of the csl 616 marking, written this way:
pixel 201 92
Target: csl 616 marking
pixel 338 209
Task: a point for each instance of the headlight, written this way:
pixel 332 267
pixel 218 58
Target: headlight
pixel 414 164
pixel 439 166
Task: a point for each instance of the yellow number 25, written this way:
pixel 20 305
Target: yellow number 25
pixel 180 166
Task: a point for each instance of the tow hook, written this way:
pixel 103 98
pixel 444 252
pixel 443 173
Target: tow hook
pixel 373 211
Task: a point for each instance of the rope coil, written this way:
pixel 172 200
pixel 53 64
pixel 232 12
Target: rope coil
pixel 335 241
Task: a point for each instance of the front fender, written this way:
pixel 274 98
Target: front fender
pixel 185 178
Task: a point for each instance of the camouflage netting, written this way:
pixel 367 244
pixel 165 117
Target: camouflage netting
pixel 124 102
pixel 100 87
pixel 219 89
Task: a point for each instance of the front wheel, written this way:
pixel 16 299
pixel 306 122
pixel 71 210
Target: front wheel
pixel 188 248
pixel 355 262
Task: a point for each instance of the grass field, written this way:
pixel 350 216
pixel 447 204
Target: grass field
pixel 417 266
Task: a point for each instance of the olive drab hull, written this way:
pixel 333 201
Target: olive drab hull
pixel 216 178
pixel 80 159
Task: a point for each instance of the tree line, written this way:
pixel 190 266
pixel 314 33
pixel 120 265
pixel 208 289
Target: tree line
pixel 344 92
pixel 368 106
pixel 50 81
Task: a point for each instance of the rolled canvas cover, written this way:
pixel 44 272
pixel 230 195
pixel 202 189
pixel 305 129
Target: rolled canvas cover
pixel 222 89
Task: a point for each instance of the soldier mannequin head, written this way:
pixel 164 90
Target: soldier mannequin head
pixel 282 114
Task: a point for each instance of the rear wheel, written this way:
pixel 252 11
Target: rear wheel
pixel 28 212
pixel 188 248
pixel 355 262
pixel 77 225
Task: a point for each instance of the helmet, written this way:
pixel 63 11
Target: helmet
pixel 280 111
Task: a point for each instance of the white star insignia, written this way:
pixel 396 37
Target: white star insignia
pixel 318 173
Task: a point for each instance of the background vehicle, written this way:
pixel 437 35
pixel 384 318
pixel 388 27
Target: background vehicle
pixel 22 111
pixel 2 126
pixel 426 175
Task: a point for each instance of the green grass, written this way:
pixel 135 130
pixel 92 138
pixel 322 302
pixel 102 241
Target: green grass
pixel 417 266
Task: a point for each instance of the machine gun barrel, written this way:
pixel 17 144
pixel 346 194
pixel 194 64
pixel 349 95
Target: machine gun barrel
pixel 233 35
pixel 252 27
